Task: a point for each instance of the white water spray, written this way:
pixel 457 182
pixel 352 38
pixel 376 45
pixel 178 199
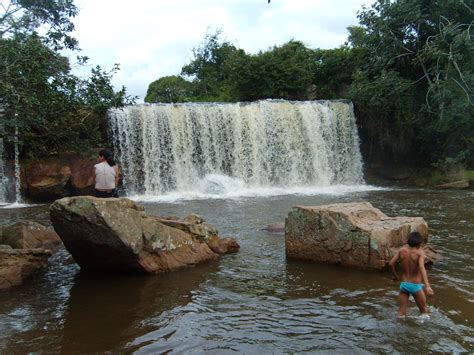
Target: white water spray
pixel 210 147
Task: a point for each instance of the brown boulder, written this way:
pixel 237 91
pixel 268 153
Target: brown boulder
pixel 115 234
pixel 47 179
pixel 349 234
pixel 29 235
pixel 18 264
pixel 222 245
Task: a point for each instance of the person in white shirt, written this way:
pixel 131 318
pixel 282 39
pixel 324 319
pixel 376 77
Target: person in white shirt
pixel 107 175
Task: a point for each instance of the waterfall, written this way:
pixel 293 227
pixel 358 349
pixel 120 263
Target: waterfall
pixel 166 148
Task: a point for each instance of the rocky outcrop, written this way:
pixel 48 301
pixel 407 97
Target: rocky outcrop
pixel 24 249
pixel 115 234
pixel 47 180
pixel 57 177
pixel 349 234
pixel 18 264
pixel 29 235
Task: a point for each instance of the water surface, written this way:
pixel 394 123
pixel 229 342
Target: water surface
pixel 254 301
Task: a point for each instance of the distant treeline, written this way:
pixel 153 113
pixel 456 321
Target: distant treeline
pixel 408 68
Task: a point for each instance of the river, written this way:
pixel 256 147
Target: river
pixel 254 301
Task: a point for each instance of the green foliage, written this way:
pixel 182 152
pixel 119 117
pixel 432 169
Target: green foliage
pixel 170 89
pixel 211 67
pixel 427 46
pixel 52 110
pixel 282 72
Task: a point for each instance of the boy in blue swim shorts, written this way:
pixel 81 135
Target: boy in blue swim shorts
pixel 414 280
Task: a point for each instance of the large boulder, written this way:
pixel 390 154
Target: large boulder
pixel 18 264
pixel 349 234
pixel 29 235
pixel 115 234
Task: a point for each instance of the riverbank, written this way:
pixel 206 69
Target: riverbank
pixel 412 176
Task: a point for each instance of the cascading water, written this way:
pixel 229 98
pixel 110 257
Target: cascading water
pixel 213 147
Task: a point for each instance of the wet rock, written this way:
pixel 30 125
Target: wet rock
pixel 349 234
pixel 222 245
pixel 16 265
pixel 194 225
pixel 461 184
pixel 116 235
pixel 275 228
pixel 29 235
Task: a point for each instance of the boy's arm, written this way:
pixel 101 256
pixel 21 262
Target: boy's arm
pixel 424 274
pixel 393 265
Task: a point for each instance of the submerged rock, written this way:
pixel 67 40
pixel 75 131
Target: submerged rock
pixel 115 234
pixel 18 264
pixel 461 184
pixel 350 234
pixel 275 228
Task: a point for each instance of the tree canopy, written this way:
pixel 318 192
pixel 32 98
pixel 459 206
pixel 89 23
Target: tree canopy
pixel 51 109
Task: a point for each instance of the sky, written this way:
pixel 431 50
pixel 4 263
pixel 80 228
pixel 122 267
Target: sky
pixel 155 38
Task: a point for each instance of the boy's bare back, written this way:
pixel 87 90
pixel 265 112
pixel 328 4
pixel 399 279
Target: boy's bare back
pixel 410 260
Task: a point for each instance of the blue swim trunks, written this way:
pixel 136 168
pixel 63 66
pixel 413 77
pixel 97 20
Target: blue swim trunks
pixel 410 287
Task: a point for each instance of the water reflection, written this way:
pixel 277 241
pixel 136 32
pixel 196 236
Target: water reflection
pixel 106 312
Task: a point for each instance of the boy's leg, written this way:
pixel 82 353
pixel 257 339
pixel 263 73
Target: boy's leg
pixel 420 300
pixel 402 311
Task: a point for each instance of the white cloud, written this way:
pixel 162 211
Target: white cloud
pixel 154 38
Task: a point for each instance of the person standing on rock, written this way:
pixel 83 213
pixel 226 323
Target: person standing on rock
pixel 414 276
pixel 107 175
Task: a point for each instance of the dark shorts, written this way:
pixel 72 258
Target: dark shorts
pixel 105 194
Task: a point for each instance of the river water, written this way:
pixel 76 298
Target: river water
pixel 254 301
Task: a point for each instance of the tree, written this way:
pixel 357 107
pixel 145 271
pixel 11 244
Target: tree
pixel 284 72
pixel 419 54
pixel 51 109
pixel 210 68
pixel 170 89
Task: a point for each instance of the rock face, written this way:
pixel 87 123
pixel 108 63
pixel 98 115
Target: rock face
pixel 19 264
pixel 57 177
pixel 115 234
pixel 349 234
pixel 29 235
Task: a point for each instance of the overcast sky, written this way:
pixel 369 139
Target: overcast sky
pixel 155 38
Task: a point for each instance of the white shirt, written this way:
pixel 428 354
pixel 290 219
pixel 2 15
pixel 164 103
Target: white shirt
pixel 104 176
